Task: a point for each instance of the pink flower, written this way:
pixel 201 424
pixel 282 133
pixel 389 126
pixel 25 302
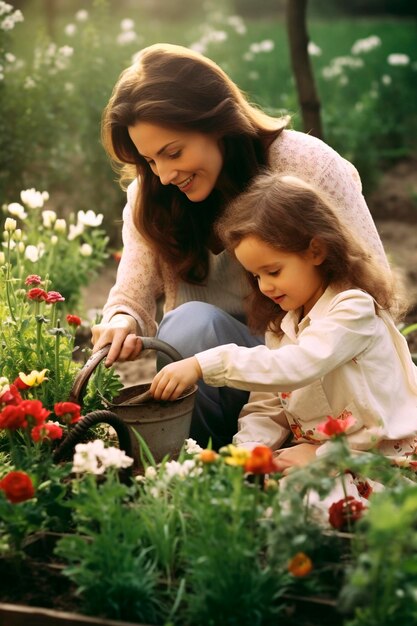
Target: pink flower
pixel 54 296
pixel 73 320
pixel 37 294
pixel 69 412
pixel 33 279
pixel 49 430
pixel 11 396
pixel 336 426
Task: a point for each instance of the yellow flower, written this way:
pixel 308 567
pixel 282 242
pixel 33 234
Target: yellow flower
pixel 235 456
pixel 33 379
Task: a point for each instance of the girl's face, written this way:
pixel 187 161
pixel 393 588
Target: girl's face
pixel 290 279
pixel 190 160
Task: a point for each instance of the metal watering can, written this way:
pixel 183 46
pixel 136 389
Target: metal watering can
pixel 163 425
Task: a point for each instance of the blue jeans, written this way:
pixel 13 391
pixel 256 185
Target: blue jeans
pixel 194 327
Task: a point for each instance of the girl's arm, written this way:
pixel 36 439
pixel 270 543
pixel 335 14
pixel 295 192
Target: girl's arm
pixel 340 334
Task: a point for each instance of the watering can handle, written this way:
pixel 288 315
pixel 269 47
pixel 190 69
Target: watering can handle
pixel 82 378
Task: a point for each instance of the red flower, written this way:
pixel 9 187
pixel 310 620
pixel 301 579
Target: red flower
pixel 11 395
pixel 34 411
pixel 261 461
pixel 33 279
pixel 54 296
pixel 336 426
pixel 344 512
pixel 17 487
pixel 117 256
pixel 13 417
pixel 73 320
pixel 49 430
pixel 300 565
pixel 68 411
pixel 37 294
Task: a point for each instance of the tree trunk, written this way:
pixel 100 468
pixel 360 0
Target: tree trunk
pixel 300 62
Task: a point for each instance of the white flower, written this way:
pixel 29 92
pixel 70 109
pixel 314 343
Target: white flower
pixel 60 225
pixel 21 247
pixel 127 24
pixel 2 258
pixel 10 225
pixel 17 234
pixel 89 218
pixel 34 253
pixel 66 51
pixel 150 472
pixel 386 79
pixel 82 15
pixel 365 45
pixel 34 199
pixel 54 240
pixel 10 58
pixel 75 231
pixel 398 59
pixel 181 470
pixel 5 8
pixel 48 218
pixel 126 37
pixel 29 83
pixel 16 209
pixel 313 49
pixel 86 250
pixel 70 30
pixel 236 22
pixel 94 458
pixel 192 447
pixel 198 46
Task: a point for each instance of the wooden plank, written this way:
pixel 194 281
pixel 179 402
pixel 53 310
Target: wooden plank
pixel 19 615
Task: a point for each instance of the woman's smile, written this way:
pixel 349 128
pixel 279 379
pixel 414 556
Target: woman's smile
pixel 192 161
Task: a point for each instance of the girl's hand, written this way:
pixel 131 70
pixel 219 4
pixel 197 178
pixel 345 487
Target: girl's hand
pixel 120 332
pixel 296 456
pixel 175 378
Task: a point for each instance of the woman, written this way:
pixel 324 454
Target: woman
pixel 183 132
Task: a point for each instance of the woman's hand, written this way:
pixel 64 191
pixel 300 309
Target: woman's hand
pixel 296 456
pixel 175 378
pixel 121 333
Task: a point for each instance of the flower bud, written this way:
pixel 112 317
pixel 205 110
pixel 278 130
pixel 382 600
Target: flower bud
pixel 10 225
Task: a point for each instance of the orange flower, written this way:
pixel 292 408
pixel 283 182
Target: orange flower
pixel 207 456
pixel 300 565
pixel 261 461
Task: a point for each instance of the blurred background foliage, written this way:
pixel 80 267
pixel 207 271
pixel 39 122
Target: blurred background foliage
pixel 59 64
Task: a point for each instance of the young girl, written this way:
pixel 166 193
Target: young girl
pixel 332 346
pixel 184 134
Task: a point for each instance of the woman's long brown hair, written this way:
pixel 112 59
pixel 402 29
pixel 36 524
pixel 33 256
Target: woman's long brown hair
pixel 286 213
pixel 177 88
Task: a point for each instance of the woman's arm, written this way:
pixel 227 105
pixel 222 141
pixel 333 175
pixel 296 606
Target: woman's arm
pixel 131 306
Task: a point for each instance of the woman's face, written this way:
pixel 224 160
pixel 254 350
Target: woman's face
pixel 190 160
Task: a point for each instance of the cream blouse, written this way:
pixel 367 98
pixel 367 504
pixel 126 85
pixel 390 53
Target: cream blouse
pixel 346 357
